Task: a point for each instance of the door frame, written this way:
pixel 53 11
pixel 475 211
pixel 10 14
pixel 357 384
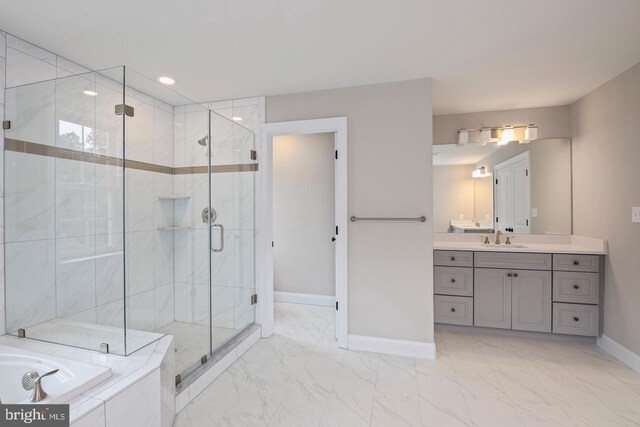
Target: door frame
pixel 264 218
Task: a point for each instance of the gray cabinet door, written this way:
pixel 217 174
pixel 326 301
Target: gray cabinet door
pixel 531 300
pixel 492 298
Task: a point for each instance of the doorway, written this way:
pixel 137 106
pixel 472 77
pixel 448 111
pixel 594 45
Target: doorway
pixel 266 249
pixel 303 218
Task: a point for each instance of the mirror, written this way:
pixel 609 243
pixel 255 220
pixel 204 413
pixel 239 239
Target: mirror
pixel 515 188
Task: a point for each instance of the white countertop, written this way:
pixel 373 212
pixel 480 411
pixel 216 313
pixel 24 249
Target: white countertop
pixel 522 243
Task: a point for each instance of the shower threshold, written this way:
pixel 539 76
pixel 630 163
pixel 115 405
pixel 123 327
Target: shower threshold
pixel 223 348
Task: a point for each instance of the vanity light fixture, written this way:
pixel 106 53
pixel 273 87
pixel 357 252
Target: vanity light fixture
pixel 507 136
pixel 481 172
pixel 90 92
pixel 236 118
pixel 530 133
pixel 485 135
pixel 165 80
pixel 463 137
pixel 501 135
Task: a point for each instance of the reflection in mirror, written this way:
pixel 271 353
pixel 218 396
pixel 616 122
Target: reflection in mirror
pixel 514 188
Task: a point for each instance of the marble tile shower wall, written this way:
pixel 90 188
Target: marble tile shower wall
pixel 232 196
pixel 64 246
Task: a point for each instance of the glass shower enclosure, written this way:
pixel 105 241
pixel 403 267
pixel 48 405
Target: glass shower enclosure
pixel 129 214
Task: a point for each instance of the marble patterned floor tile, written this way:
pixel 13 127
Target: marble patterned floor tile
pixel 442 402
pixel 491 411
pixel 196 415
pixel 301 406
pixel 354 393
pixel 299 377
pixel 338 413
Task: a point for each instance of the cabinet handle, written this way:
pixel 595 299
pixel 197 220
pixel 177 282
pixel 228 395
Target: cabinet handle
pixel 576 287
pixel 515 274
pixel 575 319
pixel 453 310
pixel 509 274
pixel 453 280
pixel 576 262
pixel 453 258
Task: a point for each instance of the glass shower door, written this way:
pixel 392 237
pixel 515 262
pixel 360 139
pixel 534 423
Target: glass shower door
pixel 233 230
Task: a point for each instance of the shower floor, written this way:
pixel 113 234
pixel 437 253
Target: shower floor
pixel 90 336
pixel 192 341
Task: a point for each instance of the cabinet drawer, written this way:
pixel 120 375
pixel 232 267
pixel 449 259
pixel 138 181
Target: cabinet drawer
pixel 575 319
pixel 453 258
pixel 453 281
pixel 583 288
pixel 566 262
pixel 453 310
pixel 519 261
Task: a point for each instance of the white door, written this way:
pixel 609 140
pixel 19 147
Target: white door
pixel 513 194
pixel 520 189
pixel 501 185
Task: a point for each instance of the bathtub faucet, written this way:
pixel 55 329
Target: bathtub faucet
pixel 33 381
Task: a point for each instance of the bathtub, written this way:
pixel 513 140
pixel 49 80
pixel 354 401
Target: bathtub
pixel 72 379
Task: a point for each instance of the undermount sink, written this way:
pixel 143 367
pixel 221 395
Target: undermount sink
pixel 503 246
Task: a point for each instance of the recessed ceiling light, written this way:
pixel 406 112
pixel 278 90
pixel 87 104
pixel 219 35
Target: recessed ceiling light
pixel 165 80
pixel 237 118
pixel 90 92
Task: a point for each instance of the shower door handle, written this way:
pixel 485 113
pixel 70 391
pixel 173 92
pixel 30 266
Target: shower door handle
pixel 221 248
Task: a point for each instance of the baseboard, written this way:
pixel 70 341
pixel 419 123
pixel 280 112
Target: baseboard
pixel 620 352
pixel 423 350
pixel 309 299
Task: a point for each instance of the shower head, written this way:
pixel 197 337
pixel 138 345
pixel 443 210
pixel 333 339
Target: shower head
pixel 203 141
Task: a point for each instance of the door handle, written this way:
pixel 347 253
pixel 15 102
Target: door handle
pixel 221 248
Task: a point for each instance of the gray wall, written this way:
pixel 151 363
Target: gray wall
pixel 606 157
pixel 453 195
pixel 553 122
pixel 304 214
pixel 389 146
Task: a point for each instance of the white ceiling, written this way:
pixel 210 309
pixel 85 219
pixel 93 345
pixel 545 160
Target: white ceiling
pixel 483 55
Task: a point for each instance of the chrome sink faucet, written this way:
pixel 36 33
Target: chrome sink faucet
pixel 498 234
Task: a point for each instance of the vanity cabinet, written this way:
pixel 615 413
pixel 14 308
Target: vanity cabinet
pixel 531 300
pixel 453 310
pixel 558 293
pixel 453 281
pixel 492 299
pixel 513 299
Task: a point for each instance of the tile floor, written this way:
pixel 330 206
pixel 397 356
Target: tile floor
pixel 299 378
